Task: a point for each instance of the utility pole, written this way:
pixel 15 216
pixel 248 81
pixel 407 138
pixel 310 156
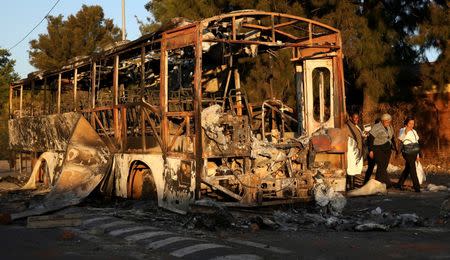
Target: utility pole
pixel 123 21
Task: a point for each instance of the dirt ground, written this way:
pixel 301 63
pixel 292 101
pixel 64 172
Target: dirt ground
pixel 408 224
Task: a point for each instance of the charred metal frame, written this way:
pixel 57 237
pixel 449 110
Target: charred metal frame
pixel 120 122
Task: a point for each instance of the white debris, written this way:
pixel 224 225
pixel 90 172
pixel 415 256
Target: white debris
pixel 211 116
pixel 376 211
pixel 372 187
pixel 392 168
pixel 211 124
pixel 435 188
pixel 371 227
pixel 265 154
pixel 325 196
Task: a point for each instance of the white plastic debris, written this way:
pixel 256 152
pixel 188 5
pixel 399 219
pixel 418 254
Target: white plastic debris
pixel 435 188
pixel 392 168
pixel 325 196
pixel 371 227
pixel 211 124
pixel 376 211
pixel 372 187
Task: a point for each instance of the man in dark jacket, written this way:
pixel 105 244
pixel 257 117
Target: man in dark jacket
pixel 381 141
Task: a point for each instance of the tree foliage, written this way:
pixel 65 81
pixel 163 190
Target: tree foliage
pixel 381 39
pixel 81 34
pixel 7 75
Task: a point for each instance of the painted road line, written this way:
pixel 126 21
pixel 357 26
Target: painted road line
pixel 145 235
pixel 115 223
pixel 194 249
pixel 122 231
pixel 167 241
pixel 259 245
pixel 238 257
pixel 92 220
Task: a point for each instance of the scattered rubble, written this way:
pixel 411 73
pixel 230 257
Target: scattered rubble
pixel 325 197
pixel 436 188
pixel 49 221
pixel 372 187
pixel 445 209
pixel 371 227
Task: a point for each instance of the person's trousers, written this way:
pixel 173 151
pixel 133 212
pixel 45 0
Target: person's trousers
pixel 381 158
pixel 410 169
pixel 370 167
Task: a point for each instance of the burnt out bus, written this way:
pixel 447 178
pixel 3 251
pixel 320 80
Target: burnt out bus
pixel 166 116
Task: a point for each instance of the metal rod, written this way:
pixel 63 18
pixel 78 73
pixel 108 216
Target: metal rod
pixel 75 85
pixel 58 108
pixel 21 101
pixel 10 101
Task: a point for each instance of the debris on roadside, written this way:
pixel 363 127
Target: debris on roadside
pixel 371 227
pixel 445 209
pixel 210 215
pixel 372 187
pixel 328 199
pixel 436 188
pixel 50 221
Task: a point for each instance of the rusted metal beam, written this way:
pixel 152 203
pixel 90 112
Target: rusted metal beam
pixel 272 29
pixel 198 110
pixel 163 89
pixel 247 42
pixel 272 21
pixel 11 101
pixel 233 28
pixel 46 107
pixel 75 86
pixel 142 83
pixel 58 102
pixel 281 25
pixel 93 77
pixel 237 85
pixel 21 101
pixel 143 139
pixel 124 130
pixel 116 122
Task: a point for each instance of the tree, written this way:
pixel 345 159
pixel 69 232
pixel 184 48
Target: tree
pixel 7 75
pixel 435 33
pixel 82 34
pixel 380 38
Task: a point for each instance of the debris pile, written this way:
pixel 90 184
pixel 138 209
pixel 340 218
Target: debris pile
pixel 211 124
pixel 445 209
pixel 331 201
pixel 436 188
pixel 372 187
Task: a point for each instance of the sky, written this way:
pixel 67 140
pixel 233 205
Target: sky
pixel 20 16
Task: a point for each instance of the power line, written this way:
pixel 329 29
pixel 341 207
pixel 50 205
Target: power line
pixel 51 9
